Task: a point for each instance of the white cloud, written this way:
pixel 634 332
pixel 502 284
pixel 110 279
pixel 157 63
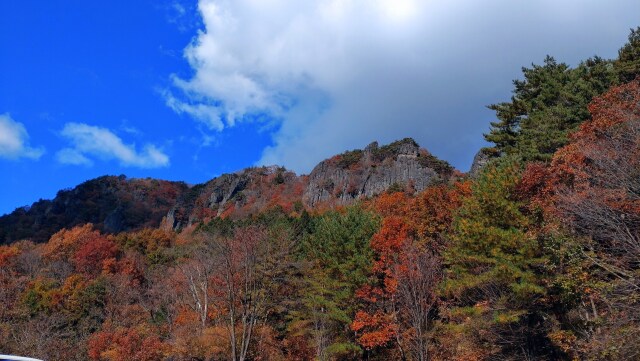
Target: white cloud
pixel 14 140
pixel 73 157
pixel 207 114
pixel 95 142
pixel 341 73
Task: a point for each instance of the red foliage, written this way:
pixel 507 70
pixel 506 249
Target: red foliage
pixel 431 213
pixel 126 344
pixel 63 245
pixel 406 269
pixel 594 180
pixel 94 256
pixel 388 204
pixel 132 267
pixel 374 330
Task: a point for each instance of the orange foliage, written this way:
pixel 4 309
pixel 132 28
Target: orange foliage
pixel 406 249
pixel 618 106
pixel 374 330
pixel 388 204
pixel 431 213
pixel 601 158
pixel 66 242
pixel 130 266
pixel 126 344
pixel 7 253
pixel 95 255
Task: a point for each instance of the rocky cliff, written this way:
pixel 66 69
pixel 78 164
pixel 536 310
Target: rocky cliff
pixel 238 195
pixel 365 173
pixel 481 159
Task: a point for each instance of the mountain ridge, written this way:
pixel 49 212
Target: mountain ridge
pixel 117 203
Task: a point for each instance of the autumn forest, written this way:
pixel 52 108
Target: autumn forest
pixel 535 255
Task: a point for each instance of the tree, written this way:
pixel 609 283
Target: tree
pixel 195 274
pixel 336 258
pixel 126 344
pixel 229 278
pixel 95 256
pixel 548 104
pixel 400 297
pixel 495 270
pixel 627 65
pixel 594 188
pixel 379 326
pixel 399 306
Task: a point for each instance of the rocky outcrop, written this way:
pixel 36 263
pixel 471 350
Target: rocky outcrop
pixel 239 194
pixel 481 159
pixel 365 173
pixel 340 180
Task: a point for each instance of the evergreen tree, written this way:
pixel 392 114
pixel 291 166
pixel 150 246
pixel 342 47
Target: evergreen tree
pixel 337 259
pixel 627 65
pixel 549 103
pixel 494 269
pixel 552 99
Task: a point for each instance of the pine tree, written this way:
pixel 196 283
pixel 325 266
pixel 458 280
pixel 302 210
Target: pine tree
pixel 494 268
pixel 548 104
pixel 628 63
pixel 337 259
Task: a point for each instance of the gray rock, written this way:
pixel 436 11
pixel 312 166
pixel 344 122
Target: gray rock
pixel 347 177
pixel 481 159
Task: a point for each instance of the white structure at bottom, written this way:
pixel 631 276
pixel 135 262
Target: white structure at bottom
pixel 16 358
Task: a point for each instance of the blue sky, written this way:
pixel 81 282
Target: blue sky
pixel 187 90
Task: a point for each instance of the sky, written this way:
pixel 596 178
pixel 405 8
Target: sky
pixel 188 90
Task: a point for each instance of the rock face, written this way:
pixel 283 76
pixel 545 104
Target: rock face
pixel 365 173
pixel 481 159
pixel 340 180
pixel 239 194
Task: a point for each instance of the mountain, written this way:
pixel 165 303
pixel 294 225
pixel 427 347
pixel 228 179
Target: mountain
pixel 365 173
pixel 112 203
pixel 238 195
pixel 116 204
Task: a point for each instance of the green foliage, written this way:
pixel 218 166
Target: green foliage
pixel 395 188
pixel 428 160
pixel 627 65
pixel 337 258
pixel 392 150
pixel 279 178
pixel 349 158
pixel 223 227
pixel 37 297
pixel 340 244
pixel 548 104
pixel 344 350
pixel 494 264
pixel 552 99
pixel 490 241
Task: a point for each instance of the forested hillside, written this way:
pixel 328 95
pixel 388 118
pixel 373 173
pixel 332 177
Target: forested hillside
pixel 112 204
pixel 385 253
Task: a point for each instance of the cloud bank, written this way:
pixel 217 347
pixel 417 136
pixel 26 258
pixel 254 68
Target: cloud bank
pixel 337 74
pixel 14 140
pixel 89 142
